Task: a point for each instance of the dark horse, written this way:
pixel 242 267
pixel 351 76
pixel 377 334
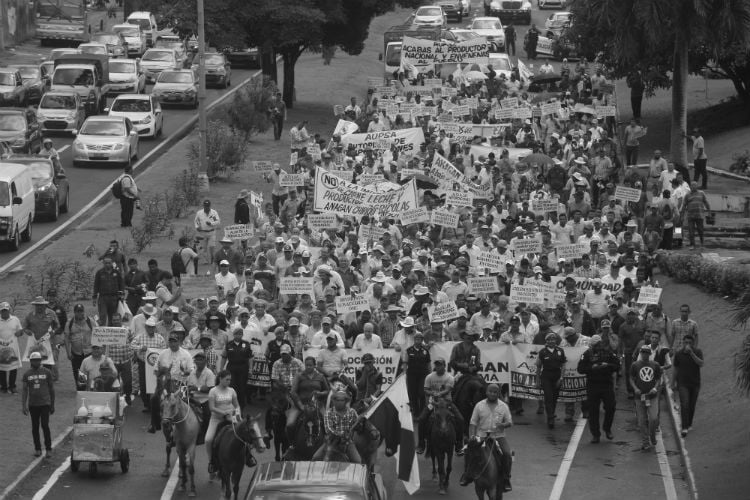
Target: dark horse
pixel 276 423
pixel 442 441
pixel 231 450
pixel 469 390
pixel 309 435
pixel 483 462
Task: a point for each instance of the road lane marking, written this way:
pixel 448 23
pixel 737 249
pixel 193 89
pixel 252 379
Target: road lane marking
pixel 666 470
pixel 172 483
pixel 63 148
pixel 567 461
pixel 677 427
pixel 39 495
pixel 55 443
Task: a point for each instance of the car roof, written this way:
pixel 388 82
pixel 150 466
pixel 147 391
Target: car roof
pixel 19 66
pixel 105 118
pixel 126 25
pixel 275 474
pixel 13 111
pixel 141 97
pixel 8 69
pixel 178 71
pixel 10 170
pixel 485 18
pixel 92 44
pixel 160 49
pixel 70 93
pixel 139 13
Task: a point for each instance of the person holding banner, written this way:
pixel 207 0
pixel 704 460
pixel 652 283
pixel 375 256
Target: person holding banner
pixel 416 365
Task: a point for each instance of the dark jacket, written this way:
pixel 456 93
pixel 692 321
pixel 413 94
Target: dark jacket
pixel 601 375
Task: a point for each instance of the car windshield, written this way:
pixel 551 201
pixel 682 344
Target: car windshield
pixel 430 11
pixel 145 24
pixel 7 79
pixel 93 49
pixel 157 55
pixel 4 194
pixel 121 66
pixel 132 105
pixel 73 76
pixel 52 101
pixel 500 64
pixel 393 55
pixel 40 170
pixel 29 72
pixel 128 32
pixel 309 492
pixel 12 123
pixel 483 24
pixel 109 128
pixel 215 59
pixel 49 11
pixel 175 77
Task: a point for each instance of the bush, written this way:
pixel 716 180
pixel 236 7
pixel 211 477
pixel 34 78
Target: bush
pixel 225 150
pixel 188 185
pixel 72 279
pixel 723 278
pixel 247 111
pixel 156 223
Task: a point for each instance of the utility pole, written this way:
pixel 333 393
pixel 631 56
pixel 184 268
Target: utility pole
pixel 202 125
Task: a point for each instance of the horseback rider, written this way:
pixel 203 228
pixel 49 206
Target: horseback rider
pixel 437 387
pixel 339 423
pixel 369 380
pixel 310 388
pixel 200 382
pixel 490 418
pixel 223 403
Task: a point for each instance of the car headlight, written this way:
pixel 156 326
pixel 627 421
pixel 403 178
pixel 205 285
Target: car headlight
pixel 5 222
pixel 45 188
pixel 190 91
pixel 78 144
pixel 221 71
pixel 118 147
pixel 71 116
pixel 147 119
pixel 40 117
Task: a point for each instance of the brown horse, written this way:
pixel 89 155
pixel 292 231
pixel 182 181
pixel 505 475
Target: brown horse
pixel 309 435
pixel 183 425
pixel 482 462
pixel 276 423
pixel 232 452
pixel 442 441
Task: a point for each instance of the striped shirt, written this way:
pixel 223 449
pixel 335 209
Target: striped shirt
pixel 340 424
pixel 680 329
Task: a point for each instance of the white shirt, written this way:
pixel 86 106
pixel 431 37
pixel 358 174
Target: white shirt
pixel 362 344
pixel 207 222
pixel 177 361
pixel 228 282
pixel 319 339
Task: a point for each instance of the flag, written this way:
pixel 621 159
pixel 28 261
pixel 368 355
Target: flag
pixel 391 415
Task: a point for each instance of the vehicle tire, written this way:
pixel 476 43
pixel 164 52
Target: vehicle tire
pixel 27 233
pixel 74 464
pixel 159 132
pixel 14 243
pixel 129 160
pixel 93 469
pixel 55 213
pixel 124 460
pixel 226 84
pixel 66 205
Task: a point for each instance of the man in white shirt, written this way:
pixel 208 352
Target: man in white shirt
pixel 376 125
pixel 367 341
pixel 562 231
pixel 353 109
pixel 206 222
pixel 596 302
pixel 319 339
pixel 225 281
pixel 176 360
pixel 666 177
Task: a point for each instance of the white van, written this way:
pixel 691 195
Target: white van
pixel 16 204
pixel 147 22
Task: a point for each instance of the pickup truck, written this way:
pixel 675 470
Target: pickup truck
pixel 87 75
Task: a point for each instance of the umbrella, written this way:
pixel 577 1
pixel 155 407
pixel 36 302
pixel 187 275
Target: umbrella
pixel 475 75
pixel 539 159
pixel 544 97
pixel 423 181
pixel 546 78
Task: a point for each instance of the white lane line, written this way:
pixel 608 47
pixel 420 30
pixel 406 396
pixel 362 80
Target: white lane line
pixel 666 470
pixel 172 483
pixel 55 443
pixel 39 495
pixel 677 421
pixel 567 461
pixel 63 148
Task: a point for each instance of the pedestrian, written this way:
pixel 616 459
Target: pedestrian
pixel 136 286
pixel 78 334
pixel 682 327
pixel 236 358
pixel 183 261
pixel 279 193
pixel 688 362
pixel 550 363
pixel 693 206
pixel 140 346
pixel 109 288
pixel 62 317
pixel 417 366
pixel 10 352
pixel 635 82
pixel 278 115
pixel 206 222
pixel 633 132
pixel 129 197
pixel 122 356
pixel 41 324
pixel 244 214
pixel 646 379
pixel 113 252
pixel 599 364
pixel 532 38
pixel 699 158
pixel 93 368
pixel 510 39
pixel 299 136
pixel 38 400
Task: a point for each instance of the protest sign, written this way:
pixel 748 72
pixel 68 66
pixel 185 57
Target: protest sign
pixel 514 154
pixel 262 166
pixel 433 82
pixel 335 195
pixel 321 222
pixel 649 295
pixel 405 141
pixel 472 102
pixel 528 293
pixel 571 251
pixel 370 231
pixel 256 200
pixel 414 216
pixel 449 177
pixel 338 110
pixel 443 311
pixel 459 132
pixel 291 180
pixel 385 91
pixel 407 172
pixel 428 110
pixel 417 52
pixel 627 194
pixel 238 231
pixel 522 113
pixel 604 111
pixel 344 127
pixel 194 287
pixel 366 179
pixel 524 376
pixel 509 103
pixel 459 199
pixel 386 360
pixel 585 284
pixel 544 206
pixel 109 335
pixel 293 159
pixel 491 260
pixel 524 246
pixel 445 218
pixel 291 285
pixel 550 108
pixel 504 114
pixel 476 50
pixel 483 285
pixel 460 110
pixel 345 305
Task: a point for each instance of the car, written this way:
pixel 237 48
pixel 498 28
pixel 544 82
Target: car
pixel 501 63
pixel 429 15
pixel 315 480
pixel 173 42
pixel 94 48
pixel 154 61
pixel 459 35
pixel 5 149
pixel 126 77
pixel 116 44
pixel 556 23
pixel 135 38
pixel 105 139
pixel 20 129
pixel 218 70
pixel 51 185
pixel 36 83
pixel 13 90
pixel 511 10
pixel 60 111
pixel 560 4
pixel 143 111
pixel 453 9
pixel 179 87
pixel 244 57
pixel 558 47
pixel 46 68
pixel 146 22
pixel 492 29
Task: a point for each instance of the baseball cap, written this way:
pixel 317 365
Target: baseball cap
pixel 151 321
pixel 279 240
pixel 331 334
pixel 326 319
pixel 606 323
pixel 35 355
pixel 293 322
pixel 439 361
pixel 286 348
pixel 4 306
pixel 645 348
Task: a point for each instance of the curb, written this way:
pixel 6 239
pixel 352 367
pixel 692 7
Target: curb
pixel 676 424
pixel 142 164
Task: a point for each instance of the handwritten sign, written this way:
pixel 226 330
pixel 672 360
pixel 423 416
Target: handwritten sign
pixel 530 294
pixel 522 113
pixel 649 295
pixel 338 110
pixel 299 286
pixel 194 287
pixel 544 206
pixel 369 231
pixel 443 311
pixel 109 335
pixel 321 222
pixel 627 194
pixel 505 114
pixel 445 218
pixel 291 180
pixel 433 82
pixel 366 179
pixel 414 216
pixel 572 251
pixel 459 199
pixel 293 159
pixel 524 246
pixel 492 261
pixel 509 103
pixel 604 111
pixel 262 166
pixel 550 109
pixel 346 305
pixel 460 110
pixel 238 231
pixel 483 285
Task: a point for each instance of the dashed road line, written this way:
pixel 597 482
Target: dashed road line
pixel 39 495
pixel 567 461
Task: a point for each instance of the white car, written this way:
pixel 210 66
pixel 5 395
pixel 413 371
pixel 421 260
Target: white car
pixel 143 111
pixel 93 48
pixel 133 36
pixel 430 15
pixel 126 77
pixel 492 29
pixel 544 4
pixel 105 139
pixel 556 23
pixel 154 61
pixel 60 111
pixel 501 64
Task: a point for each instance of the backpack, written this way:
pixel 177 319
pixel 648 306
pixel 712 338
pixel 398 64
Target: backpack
pixel 117 188
pixel 178 266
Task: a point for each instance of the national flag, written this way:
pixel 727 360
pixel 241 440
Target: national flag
pixel 391 415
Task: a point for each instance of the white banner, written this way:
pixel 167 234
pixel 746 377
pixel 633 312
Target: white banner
pixel 476 50
pixel 445 218
pixel 584 284
pixel 417 52
pixel 345 305
pixel 459 199
pixel 483 285
pixel 571 251
pixel 528 293
pixel 492 261
pixel 406 141
pixel 415 216
pixel 109 335
pixel 524 246
pixel 320 222
pixel 449 177
pixel 386 360
pixel 459 132
pixel 238 231
pixel 627 194
pixel 443 311
pixel 291 285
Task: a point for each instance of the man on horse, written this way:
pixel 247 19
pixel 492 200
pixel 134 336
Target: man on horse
pixel 200 382
pixel 490 418
pixel 466 362
pixel 339 422
pixel 179 364
pixel 438 386
pixel 369 381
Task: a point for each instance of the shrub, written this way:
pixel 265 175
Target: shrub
pixel 156 222
pixel 72 279
pixel 248 110
pixel 225 150
pixel 188 185
pixel 723 278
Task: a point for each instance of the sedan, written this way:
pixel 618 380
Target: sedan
pixel 154 61
pixel 501 64
pixel 94 48
pixel 13 91
pixel 430 15
pixel 172 42
pixel 116 44
pixel 560 4
pixel 556 23
pixel 177 87
pixel 51 187
pixel 60 111
pixel 125 76
pixel 20 129
pixel 134 37
pixel 36 84
pixel 218 70
pixel 492 29
pixel 110 139
pixel 143 111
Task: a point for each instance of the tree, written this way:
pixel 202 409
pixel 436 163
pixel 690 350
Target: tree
pixel 655 35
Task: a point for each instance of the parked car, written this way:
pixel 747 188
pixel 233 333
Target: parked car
pixel 500 62
pixel 16 204
pixel 154 61
pixel 454 9
pixel 5 149
pixel 178 87
pixel 556 23
pixel 51 186
pixel 105 139
pixel 143 111
pixel 518 11
pixel 492 29
pixel 175 43
pixel 429 15
pixel 55 53
pixel 20 129
pixel 36 84
pixel 459 35
pixel 218 70
pixel 60 111
pixel 134 37
pixel 115 42
pixel 46 68
pixel 560 4
pixel 13 90
pixel 94 48
pixel 126 77
pixel 245 57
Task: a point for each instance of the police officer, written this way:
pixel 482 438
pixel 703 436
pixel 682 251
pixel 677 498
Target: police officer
pixel 599 364
pixel 417 368
pixel 236 358
pixel 549 365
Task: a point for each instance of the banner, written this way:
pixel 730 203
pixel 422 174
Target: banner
pixel 530 294
pixel 299 286
pixel 238 231
pixel 544 206
pixel 320 222
pixel 571 251
pixel 627 194
pixel 584 284
pixel 504 114
pixel 443 311
pixel 525 246
pixel 109 335
pixel 417 52
pixel 345 305
pixel 449 177
pixel 445 218
pixel 291 180
pixel 476 50
pixel 483 285
pixel 459 132
pixel 344 127
pixel 492 261
pixel 386 360
pixel 550 109
pixel 414 216
pixel 604 111
pixel 370 231
pixel 337 196
pixel 509 103
pixel 194 287
pixel 406 141
pixel 514 154
pixel 649 295
pixel 262 166
pixel 459 199
pixel 365 179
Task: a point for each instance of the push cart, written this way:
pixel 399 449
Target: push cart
pixel 97 436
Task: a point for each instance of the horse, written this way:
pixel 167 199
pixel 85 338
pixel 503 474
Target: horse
pixel 276 420
pixel 442 438
pixel 183 425
pixel 367 439
pixel 232 451
pixel 308 436
pixel 482 461
pixel 469 390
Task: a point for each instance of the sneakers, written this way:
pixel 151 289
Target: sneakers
pixel 465 480
pixel 48 454
pixel 609 435
pixel 38 453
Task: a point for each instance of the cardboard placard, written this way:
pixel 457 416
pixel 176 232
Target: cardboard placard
pixel 550 109
pixel 385 90
pixel 238 231
pixel 649 295
pixel 109 335
pixel 524 246
pixel 445 218
pixel 262 166
pixel 194 287
pixel 530 294
pixel 544 206
pixel 459 199
pixel 509 103
pixel 504 114
pixel 291 285
pixel 346 305
pixel 572 251
pixel 406 172
pixel 321 222
pixel 414 216
pixel 521 113
pixel 443 311
pixel 460 111
pixel 370 231
pixel 483 285
pixel 293 159
pixel 627 194
pixel 604 111
pixel 491 260
pixel 338 110
pixel 291 180
pixel 365 179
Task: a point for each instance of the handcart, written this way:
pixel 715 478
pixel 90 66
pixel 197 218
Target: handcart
pixel 97 431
